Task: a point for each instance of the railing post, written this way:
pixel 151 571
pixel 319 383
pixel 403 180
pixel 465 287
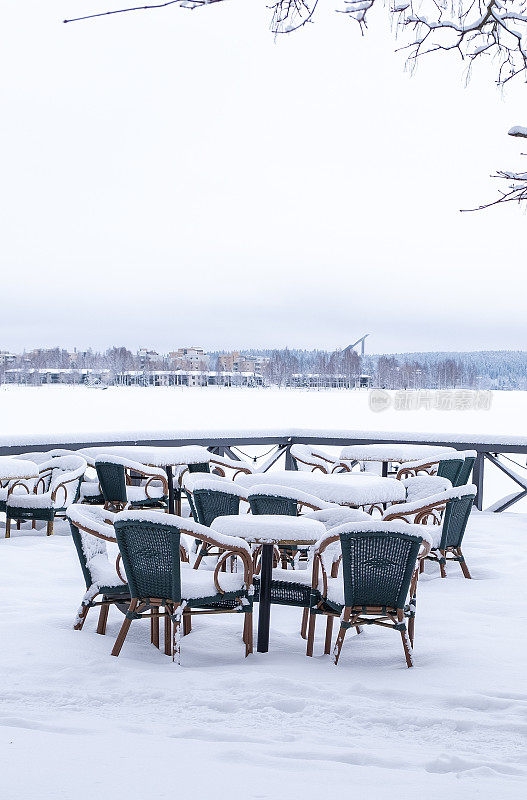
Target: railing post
pixel 289 462
pixel 477 479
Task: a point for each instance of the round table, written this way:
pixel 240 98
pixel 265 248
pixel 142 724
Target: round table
pixel 346 488
pixel 164 457
pixel 269 530
pixel 393 452
pixel 12 469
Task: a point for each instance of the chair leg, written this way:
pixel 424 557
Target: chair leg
pixel 103 618
pixel 442 565
pixel 168 632
pixel 33 525
pixel 187 622
pixel 18 524
pixel 8 527
pixel 248 633
pixel 305 620
pixel 154 626
pixel 411 630
pixel 176 637
pixel 406 641
pixel 201 553
pixel 49 528
pixel 311 634
pixel 329 634
pixel 342 633
pixel 463 564
pixel 81 618
pixel 124 630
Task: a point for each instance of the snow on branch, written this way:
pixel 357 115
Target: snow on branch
pixel 496 29
pixel 516 189
pixel 290 15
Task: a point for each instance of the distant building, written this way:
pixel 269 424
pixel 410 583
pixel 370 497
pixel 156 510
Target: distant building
pixel 6 359
pixel 237 362
pixel 189 358
pixel 146 356
pixel 364 382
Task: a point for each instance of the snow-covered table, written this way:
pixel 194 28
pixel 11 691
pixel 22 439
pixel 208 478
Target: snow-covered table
pixel 152 456
pixel 12 469
pixel 165 457
pixel 346 489
pixel 393 452
pixel 268 530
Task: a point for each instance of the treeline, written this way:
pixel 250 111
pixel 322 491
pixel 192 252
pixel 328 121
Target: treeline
pixel 292 367
pixel 504 369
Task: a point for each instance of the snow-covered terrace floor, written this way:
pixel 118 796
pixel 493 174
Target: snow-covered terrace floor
pixel 77 723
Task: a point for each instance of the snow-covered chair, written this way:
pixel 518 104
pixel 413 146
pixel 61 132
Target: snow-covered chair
pixel 56 488
pixel 149 545
pixel 269 499
pixel 91 529
pixel 210 497
pixel 310 459
pixel 418 490
pixel 446 516
pixel 114 474
pixel 41 456
pixel 454 466
pixel 377 584
pixel 293 587
pixel 221 466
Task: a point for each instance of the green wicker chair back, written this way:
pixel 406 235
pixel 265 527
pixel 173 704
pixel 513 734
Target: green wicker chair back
pixel 377 567
pixel 209 504
pixel 151 558
pixel 455 520
pixel 205 467
pixel 268 504
pixel 112 481
pixel 450 469
pixel 465 471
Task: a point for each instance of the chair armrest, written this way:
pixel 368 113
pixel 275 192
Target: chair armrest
pixel 231 463
pixel 232 546
pixel 420 511
pixel 411 468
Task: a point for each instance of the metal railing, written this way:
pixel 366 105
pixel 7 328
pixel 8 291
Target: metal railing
pixel 281 442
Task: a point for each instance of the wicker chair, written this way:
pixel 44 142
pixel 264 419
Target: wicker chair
pixel 446 516
pixel 217 465
pixel 377 584
pixel 293 587
pixel 310 459
pixel 211 497
pixel 115 482
pixel 150 547
pixel 466 470
pixel 56 488
pixel 453 466
pixel 269 499
pixel 91 528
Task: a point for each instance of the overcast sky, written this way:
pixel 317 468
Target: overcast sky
pixel 174 177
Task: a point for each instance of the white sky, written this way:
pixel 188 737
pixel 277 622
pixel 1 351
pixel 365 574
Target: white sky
pixel 176 177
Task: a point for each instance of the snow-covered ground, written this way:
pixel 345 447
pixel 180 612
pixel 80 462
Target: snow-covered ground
pixel 76 410
pixel 77 723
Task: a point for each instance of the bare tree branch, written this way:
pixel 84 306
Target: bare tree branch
pixel 182 3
